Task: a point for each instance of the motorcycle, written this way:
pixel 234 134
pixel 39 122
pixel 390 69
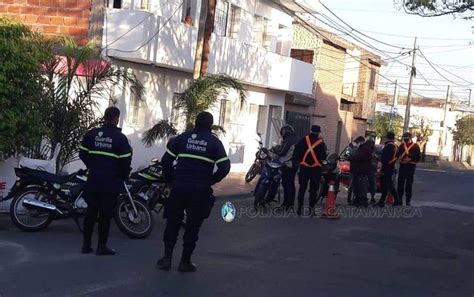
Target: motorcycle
pixel 259 161
pixel 150 186
pixel 330 174
pixel 269 181
pixel 39 197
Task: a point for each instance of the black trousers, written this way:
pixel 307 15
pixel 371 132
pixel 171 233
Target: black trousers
pixel 359 187
pixel 405 181
pixel 371 186
pixel 288 183
pixel 197 201
pixel 387 186
pixel 101 208
pixel 311 175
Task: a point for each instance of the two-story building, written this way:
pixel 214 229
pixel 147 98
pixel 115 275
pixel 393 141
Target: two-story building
pixel 345 84
pixel 252 41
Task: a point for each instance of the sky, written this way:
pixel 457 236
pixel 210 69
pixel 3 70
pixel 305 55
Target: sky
pixel 446 42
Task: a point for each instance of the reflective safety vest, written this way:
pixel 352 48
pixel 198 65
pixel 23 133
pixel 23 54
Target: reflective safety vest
pixel 395 151
pixel 407 152
pixel 310 150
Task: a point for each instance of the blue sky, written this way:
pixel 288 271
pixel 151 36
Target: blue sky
pixel 447 42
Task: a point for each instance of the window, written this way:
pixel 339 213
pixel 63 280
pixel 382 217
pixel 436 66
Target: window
pixel 260 27
pixel 280 45
pixel 225 113
pixel 186 10
pixel 302 55
pixel 145 4
pixel 372 79
pixel 234 26
pixel 117 4
pixel 135 114
pixel 220 18
pixel 345 105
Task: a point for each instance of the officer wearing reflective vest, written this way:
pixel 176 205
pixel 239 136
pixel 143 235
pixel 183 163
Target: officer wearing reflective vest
pixel 310 152
pixel 388 159
pixel 197 153
pixel 107 154
pixel 409 154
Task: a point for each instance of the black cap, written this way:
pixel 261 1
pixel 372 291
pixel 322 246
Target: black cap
pixel 407 135
pixel 360 139
pixel 315 129
pixel 390 135
pixel 204 120
pixel 111 114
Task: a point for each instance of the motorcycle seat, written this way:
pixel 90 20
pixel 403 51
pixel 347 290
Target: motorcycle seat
pixel 46 176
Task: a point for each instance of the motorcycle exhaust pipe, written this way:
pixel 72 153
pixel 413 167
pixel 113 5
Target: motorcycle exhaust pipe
pixel 40 204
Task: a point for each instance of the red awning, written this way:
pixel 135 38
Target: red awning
pixel 84 69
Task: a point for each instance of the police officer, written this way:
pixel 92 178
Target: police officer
pixel 388 159
pixel 409 154
pixel 107 154
pixel 289 169
pixel 310 151
pixel 197 153
pixel 360 169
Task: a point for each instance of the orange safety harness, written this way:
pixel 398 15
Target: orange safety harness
pixel 407 152
pixel 394 158
pixel 310 150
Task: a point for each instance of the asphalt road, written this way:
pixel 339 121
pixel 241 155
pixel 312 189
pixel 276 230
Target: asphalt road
pixel 429 254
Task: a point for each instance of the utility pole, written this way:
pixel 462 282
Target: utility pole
pixel 200 40
pixel 394 103
pixel 208 28
pixel 203 46
pixel 445 126
pixel 406 123
pixel 470 101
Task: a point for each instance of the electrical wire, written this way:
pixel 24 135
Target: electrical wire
pixel 154 35
pixel 440 74
pixel 134 27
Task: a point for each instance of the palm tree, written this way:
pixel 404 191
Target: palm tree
pixel 72 97
pixel 201 95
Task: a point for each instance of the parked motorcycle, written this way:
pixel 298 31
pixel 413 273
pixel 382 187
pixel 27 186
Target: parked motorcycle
pixel 259 161
pixel 150 186
pixel 269 181
pixel 40 197
pixel 330 174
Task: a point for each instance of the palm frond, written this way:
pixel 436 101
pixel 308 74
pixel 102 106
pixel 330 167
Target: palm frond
pixel 218 129
pixel 162 129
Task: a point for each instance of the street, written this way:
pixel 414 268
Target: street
pixel 427 255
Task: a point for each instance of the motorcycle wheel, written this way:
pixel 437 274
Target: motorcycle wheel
pixel 260 193
pixel 252 173
pixel 134 226
pixel 29 220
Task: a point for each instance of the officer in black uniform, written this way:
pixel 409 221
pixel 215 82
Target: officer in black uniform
pixel 107 154
pixel 388 159
pixel 310 152
pixel 409 154
pixel 197 153
pixel 285 155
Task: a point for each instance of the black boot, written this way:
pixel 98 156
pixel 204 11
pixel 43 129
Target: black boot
pixel 86 249
pixel 164 263
pixel 186 266
pixel 299 211
pixel 103 250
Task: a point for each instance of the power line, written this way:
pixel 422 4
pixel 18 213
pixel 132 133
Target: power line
pixel 324 37
pixel 134 27
pixel 439 73
pixel 421 37
pixel 154 35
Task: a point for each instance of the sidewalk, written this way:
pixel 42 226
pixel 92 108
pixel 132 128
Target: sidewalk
pixel 443 165
pixel 234 186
